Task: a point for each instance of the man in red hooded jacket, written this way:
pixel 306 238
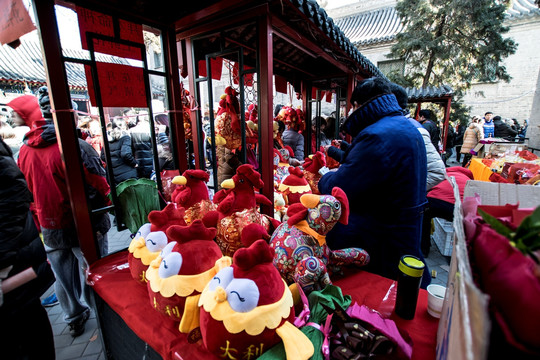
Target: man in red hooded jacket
pixel 42 165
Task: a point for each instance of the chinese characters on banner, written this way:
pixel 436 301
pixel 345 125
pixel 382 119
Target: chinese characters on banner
pixel 14 21
pixel 98 23
pixel 120 85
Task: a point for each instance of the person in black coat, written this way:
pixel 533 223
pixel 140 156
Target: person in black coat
pixel 141 144
pixel 424 118
pixel 502 130
pixel 123 162
pixel 459 140
pixel 25 274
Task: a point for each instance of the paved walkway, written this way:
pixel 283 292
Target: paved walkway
pixel 88 346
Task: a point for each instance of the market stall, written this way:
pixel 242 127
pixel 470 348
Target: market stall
pixel 261 40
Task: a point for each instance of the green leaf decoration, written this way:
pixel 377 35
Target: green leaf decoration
pixel 498 226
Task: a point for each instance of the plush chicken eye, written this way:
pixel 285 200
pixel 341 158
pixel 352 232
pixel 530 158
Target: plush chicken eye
pixel 167 249
pixel 222 278
pixel 143 231
pixel 156 241
pixel 243 295
pixel 170 265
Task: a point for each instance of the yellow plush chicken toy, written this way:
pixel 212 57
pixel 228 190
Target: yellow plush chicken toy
pixel 151 239
pixel 182 270
pixel 247 308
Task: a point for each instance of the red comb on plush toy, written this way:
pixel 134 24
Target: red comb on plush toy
pixel 247 308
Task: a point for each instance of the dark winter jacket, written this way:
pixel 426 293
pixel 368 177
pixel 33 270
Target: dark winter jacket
pixel 459 135
pixel 122 160
pixel 383 173
pixel 295 140
pixel 41 163
pixel 434 133
pixel 503 130
pixel 20 245
pixel 141 145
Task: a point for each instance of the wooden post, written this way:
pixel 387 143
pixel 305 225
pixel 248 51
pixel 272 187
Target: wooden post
pixel 446 121
pixel 176 117
pixel 266 72
pixel 64 123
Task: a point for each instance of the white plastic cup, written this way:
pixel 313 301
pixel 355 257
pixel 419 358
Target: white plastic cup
pixel 436 295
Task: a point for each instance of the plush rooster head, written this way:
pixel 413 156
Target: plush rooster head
pixel 294 185
pixel 192 188
pixel 194 250
pixel 171 215
pixel 246 177
pixel 180 273
pixel 321 212
pixel 314 163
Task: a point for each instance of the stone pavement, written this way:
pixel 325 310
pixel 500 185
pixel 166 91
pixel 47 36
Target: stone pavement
pixel 88 346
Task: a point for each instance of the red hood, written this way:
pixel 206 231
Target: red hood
pixel 27 107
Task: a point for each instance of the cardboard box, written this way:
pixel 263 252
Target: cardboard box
pixel 527 196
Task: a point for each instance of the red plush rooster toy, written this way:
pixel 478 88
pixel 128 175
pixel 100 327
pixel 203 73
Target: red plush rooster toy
pixel 312 165
pixel 238 207
pixel 192 194
pixel 294 186
pixel 178 276
pixel 151 239
pixel 227 122
pixel 247 308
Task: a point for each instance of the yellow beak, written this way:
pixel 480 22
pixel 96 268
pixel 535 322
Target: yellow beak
pixel 221 294
pixel 310 156
pixel 228 184
pixel 179 180
pixel 309 200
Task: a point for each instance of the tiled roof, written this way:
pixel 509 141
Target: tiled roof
pixel 429 92
pixel 375 26
pixel 382 25
pixel 25 64
pixel 522 8
pixel 319 16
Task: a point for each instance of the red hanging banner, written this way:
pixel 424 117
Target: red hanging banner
pixel 281 84
pixel 329 96
pixel 216 68
pixel 14 21
pixel 248 78
pixel 95 22
pixel 120 85
pixel 314 93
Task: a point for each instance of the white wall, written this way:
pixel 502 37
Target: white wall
pixel 514 99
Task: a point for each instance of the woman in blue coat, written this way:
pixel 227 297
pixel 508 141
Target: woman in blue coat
pixel 383 173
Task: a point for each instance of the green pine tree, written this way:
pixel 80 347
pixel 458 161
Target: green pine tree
pixel 452 42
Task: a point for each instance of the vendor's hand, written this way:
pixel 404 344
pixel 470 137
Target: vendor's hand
pixel 325 148
pixel 295 162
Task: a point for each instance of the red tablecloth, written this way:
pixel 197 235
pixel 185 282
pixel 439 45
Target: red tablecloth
pixel 113 283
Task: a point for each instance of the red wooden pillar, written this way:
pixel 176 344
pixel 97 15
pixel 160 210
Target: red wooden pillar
pixel 266 73
pixel 176 117
pixel 64 123
pixel 446 121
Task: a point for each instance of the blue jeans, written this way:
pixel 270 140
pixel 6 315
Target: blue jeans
pixel 68 266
